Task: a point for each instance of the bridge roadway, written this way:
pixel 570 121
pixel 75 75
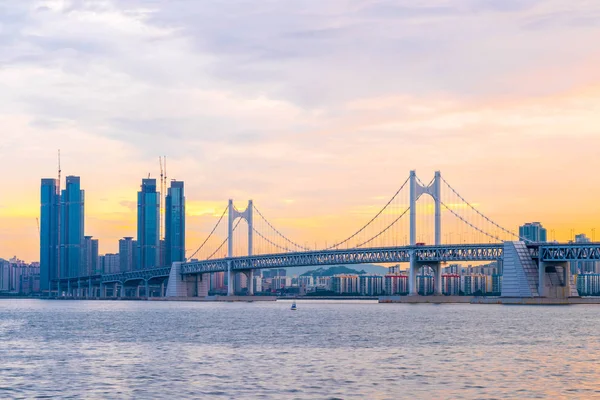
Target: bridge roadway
pixel 548 252
pixel 380 255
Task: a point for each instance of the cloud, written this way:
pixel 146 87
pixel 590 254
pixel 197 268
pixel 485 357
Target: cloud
pixel 326 103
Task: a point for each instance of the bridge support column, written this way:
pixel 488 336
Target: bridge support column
pixel 437 267
pixel 101 293
pixel 412 274
pixel 58 289
pixel 162 289
pixel 202 285
pixel 68 288
pixel 250 281
pixel 230 280
pixel 89 293
pixel 542 279
pixel 137 291
pixel 122 290
pixel 147 289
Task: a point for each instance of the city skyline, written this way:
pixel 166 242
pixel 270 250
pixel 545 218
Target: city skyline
pixel 321 141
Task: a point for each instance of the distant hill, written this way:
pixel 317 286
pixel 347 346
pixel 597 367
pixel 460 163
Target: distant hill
pixel 367 268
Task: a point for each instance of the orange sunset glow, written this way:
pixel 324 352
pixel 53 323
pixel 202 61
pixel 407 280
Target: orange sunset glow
pixel 317 115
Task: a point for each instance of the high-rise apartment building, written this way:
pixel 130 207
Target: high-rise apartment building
pixel 148 240
pixel 533 231
pixel 90 264
pixel 175 223
pixel 71 228
pixel 127 250
pixel 49 237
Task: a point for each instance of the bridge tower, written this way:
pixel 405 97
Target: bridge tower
pixel 233 214
pixel 416 191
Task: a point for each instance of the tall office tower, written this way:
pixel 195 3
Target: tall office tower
pixel 90 260
pixel 148 225
pixel 49 237
pixel 71 228
pixel 175 223
pixel 533 231
pixel 126 254
pixel 136 254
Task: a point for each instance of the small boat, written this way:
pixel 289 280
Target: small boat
pixel 293 306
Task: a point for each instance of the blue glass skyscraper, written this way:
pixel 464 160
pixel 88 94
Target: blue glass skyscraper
pixel 49 238
pixel 72 241
pixel 148 225
pixel 175 223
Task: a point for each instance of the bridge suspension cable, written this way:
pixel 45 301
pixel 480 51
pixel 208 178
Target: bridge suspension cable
pixel 482 215
pixel 210 234
pixel 224 241
pixel 277 232
pixel 461 218
pixel 273 243
pixel 371 220
pixel 384 230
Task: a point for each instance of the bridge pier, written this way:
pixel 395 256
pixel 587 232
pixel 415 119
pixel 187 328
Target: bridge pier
pixel 437 268
pixel 250 279
pixel 68 288
pixel 412 274
pixel 147 289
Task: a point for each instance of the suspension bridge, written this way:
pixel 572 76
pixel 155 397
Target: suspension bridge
pixel 406 229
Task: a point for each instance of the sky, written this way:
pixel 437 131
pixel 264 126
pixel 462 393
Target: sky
pixel 314 109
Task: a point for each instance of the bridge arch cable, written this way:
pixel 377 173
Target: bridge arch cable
pixel 278 234
pixel 385 229
pixel 482 215
pixel 210 234
pixel 355 234
pixel 271 242
pixel 336 245
pixel 224 241
pixel 461 218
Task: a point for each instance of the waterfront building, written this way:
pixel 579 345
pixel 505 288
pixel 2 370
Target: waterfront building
pixel 371 285
pixel 307 282
pixel 533 231
pixel 425 284
pixel 72 228
pixel 148 241
pixel 496 284
pixel 473 284
pixel 91 257
pixel 18 277
pixel 323 283
pixel 49 233
pixel 588 284
pixel 270 273
pixel 109 263
pixel 396 284
pixel 280 282
pixel 584 267
pixel 394 270
pixel 257 284
pixel 345 284
pixel 127 250
pixel 217 281
pixel 451 284
pixel 452 269
pixel 175 223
